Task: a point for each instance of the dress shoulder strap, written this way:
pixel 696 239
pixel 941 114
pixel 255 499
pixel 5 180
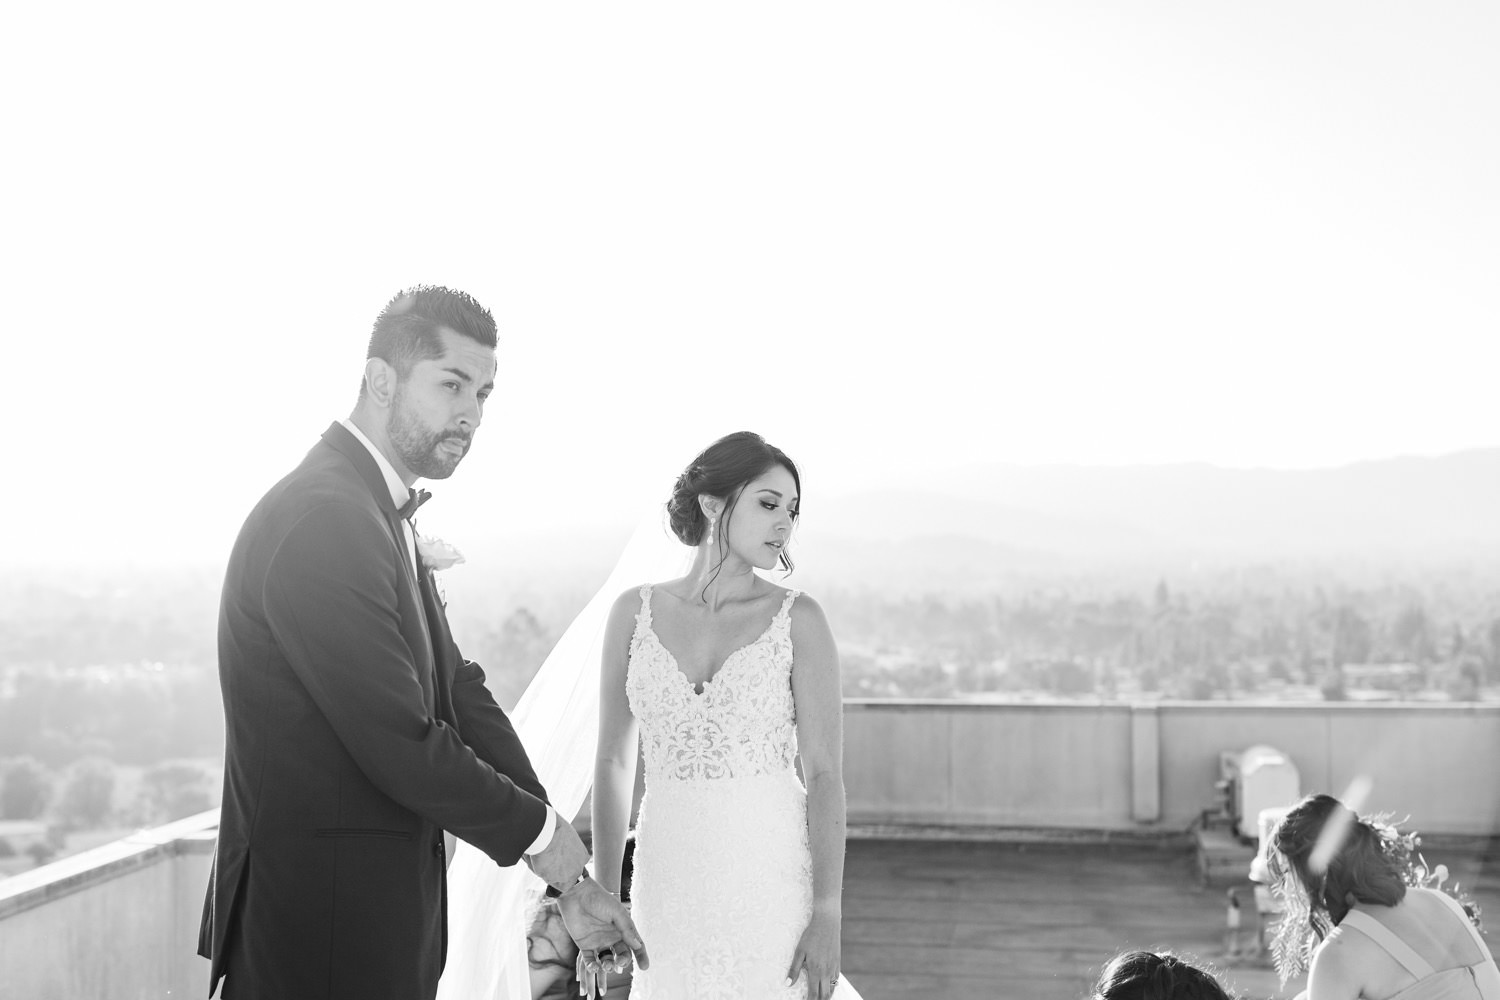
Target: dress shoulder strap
pixel 643 616
pixel 1389 942
pixel 786 605
pixel 1458 911
pixel 1485 972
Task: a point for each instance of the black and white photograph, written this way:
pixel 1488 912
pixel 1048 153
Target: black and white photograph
pixel 770 502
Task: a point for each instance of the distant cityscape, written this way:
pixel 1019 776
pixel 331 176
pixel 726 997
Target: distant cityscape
pixel 110 716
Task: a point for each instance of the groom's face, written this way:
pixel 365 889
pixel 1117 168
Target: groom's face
pixel 437 408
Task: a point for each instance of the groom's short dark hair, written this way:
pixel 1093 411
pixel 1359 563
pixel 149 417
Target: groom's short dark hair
pixel 407 329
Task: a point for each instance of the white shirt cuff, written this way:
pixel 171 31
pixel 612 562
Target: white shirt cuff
pixel 545 837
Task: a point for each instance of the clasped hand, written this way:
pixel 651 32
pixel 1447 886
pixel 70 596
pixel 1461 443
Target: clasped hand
pixel 604 931
pixel 594 916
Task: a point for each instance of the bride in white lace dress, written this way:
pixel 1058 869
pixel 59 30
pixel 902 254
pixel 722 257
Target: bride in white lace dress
pixel 726 681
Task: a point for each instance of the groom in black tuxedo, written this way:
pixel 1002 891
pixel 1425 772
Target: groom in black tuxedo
pixel 355 732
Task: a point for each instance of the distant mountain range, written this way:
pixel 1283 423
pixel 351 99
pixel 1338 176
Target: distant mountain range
pixel 1002 522
pixel 1040 519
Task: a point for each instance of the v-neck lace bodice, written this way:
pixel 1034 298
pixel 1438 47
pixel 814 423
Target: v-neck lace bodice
pixel 723 861
pixel 742 723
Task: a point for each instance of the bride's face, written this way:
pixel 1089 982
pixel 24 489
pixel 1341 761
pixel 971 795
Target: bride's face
pixel 760 525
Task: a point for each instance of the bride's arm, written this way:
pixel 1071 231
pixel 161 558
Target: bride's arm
pixel 818 694
pixel 614 761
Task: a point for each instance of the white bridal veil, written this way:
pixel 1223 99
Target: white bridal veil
pixel 557 720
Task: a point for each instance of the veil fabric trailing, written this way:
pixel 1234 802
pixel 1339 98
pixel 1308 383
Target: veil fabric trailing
pixel 557 720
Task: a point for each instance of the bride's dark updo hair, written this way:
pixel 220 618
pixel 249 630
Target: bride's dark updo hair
pixel 1359 869
pixel 722 470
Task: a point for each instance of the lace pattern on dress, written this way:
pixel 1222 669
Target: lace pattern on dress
pixel 744 721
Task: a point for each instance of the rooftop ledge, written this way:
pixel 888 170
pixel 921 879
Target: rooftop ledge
pixel 193 835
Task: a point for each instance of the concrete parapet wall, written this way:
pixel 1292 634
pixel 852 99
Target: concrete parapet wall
pixel 1117 766
pixel 1436 764
pixel 116 923
pixel 121 922
pixel 995 765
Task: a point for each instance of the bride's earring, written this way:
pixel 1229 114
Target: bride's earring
pixel 713 522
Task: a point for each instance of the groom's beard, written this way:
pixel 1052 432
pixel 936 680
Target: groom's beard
pixel 418 447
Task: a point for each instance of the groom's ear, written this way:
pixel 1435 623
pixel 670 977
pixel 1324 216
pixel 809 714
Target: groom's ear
pixel 380 381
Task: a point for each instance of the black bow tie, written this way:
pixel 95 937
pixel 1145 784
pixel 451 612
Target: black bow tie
pixel 417 499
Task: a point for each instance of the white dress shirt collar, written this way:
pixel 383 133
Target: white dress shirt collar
pixel 400 493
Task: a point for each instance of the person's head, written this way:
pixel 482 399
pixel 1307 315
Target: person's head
pixel 740 498
pixel 429 367
pixel 1151 975
pixel 1333 859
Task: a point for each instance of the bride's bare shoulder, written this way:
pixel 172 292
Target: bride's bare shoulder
pixel 628 604
pixel 805 607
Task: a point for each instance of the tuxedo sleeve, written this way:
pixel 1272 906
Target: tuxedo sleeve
pixel 487 728
pixel 331 603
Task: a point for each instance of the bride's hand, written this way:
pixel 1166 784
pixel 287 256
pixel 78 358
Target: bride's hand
pixel 818 953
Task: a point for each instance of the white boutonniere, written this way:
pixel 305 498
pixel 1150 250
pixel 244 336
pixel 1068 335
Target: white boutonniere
pixel 437 554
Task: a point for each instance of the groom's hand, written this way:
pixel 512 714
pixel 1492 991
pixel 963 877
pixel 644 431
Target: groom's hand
pixel 560 862
pixel 599 922
pixel 595 918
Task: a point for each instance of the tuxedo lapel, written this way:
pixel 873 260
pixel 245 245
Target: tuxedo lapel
pixel 418 594
pixel 437 621
pixel 338 437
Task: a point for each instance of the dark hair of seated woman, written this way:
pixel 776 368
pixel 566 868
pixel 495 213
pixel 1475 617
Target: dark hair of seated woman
pixel 1151 975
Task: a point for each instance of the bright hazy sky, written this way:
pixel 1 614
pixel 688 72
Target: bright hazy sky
pixel 891 237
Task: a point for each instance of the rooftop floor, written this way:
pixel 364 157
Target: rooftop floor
pixel 1029 921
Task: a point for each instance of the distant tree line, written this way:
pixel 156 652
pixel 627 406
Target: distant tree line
pixel 131 713
pixel 86 795
pixel 1247 634
pixel 109 702
pixel 1245 640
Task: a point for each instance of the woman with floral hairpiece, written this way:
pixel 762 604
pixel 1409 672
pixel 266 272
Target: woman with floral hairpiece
pixel 1358 905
